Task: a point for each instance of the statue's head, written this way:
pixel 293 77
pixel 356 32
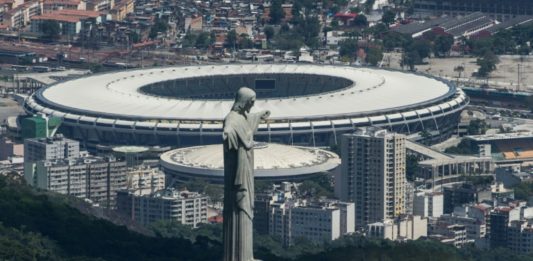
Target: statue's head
pixel 244 100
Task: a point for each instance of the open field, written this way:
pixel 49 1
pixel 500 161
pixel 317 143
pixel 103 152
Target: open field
pixel 505 76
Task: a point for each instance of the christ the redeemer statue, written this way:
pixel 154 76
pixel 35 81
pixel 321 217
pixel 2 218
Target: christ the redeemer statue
pixel 239 128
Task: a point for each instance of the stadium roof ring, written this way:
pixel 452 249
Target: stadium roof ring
pixel 148 106
pixel 272 162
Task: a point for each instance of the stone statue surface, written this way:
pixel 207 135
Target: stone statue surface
pixel 239 127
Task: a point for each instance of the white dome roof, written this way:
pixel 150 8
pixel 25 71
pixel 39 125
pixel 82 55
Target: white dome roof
pixel 269 160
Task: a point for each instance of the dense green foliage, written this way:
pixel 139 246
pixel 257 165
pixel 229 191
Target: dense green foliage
pixel 477 127
pixel 39 226
pixel 355 248
pixel 317 186
pixel 442 45
pixel 19 245
pixel 214 191
pixel 523 191
pixel 512 41
pixel 276 12
pixel 77 235
pixel 50 29
pixel 479 180
pixel 487 64
pixel 411 167
pixel 160 26
pixel 201 40
pixel 465 147
pixel 388 17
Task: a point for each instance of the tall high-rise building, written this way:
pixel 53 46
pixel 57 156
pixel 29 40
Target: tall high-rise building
pixel 373 174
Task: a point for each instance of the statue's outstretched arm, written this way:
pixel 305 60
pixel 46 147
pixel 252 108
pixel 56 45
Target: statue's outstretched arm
pixel 255 118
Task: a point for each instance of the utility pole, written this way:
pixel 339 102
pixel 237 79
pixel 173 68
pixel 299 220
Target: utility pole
pixel 518 80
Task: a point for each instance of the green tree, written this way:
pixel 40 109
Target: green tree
pixel 523 191
pixel 318 186
pixel 465 147
pixel 245 42
pixel 477 127
pixel 160 26
pixel 348 48
pixel 308 29
pixel 368 5
pixel 355 10
pixel 231 39
pixel 202 41
pixel 215 192
pixel 487 64
pixel 388 17
pixel 276 12
pixel 410 59
pixel 134 37
pixel 422 47
pixel 50 29
pixel 459 70
pixel 189 40
pixel 374 56
pixel 360 21
pixel 443 45
pixel 269 32
pixel 96 68
pixel 411 167
pixel 392 40
pixel 480 47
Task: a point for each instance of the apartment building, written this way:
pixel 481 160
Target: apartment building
pixel 184 207
pixel 407 227
pixel 317 222
pixel 53 148
pixel 94 178
pixel 373 174
pixel 145 180
pixel 428 204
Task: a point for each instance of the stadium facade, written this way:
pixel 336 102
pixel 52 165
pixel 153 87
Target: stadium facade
pixel 310 105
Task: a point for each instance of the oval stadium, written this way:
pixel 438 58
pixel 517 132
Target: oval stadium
pixel 272 162
pixel 310 105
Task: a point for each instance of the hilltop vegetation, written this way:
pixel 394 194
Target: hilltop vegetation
pixel 38 226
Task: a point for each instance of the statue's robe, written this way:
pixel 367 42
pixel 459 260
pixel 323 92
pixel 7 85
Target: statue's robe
pixel 239 185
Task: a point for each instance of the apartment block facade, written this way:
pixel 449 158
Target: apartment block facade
pixel 94 178
pixel 373 174
pixel 184 207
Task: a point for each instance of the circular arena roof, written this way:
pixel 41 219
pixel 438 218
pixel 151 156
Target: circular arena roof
pixel 272 161
pixel 118 95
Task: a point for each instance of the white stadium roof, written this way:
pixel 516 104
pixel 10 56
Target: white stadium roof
pixel 117 95
pixel 270 160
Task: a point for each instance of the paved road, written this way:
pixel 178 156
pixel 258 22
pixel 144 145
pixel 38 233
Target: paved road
pixel 8 108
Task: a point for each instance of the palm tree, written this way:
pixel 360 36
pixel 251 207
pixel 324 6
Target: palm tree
pixel 459 70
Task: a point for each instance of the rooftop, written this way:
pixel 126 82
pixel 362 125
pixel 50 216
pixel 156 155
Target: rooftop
pixel 118 94
pixel 267 157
